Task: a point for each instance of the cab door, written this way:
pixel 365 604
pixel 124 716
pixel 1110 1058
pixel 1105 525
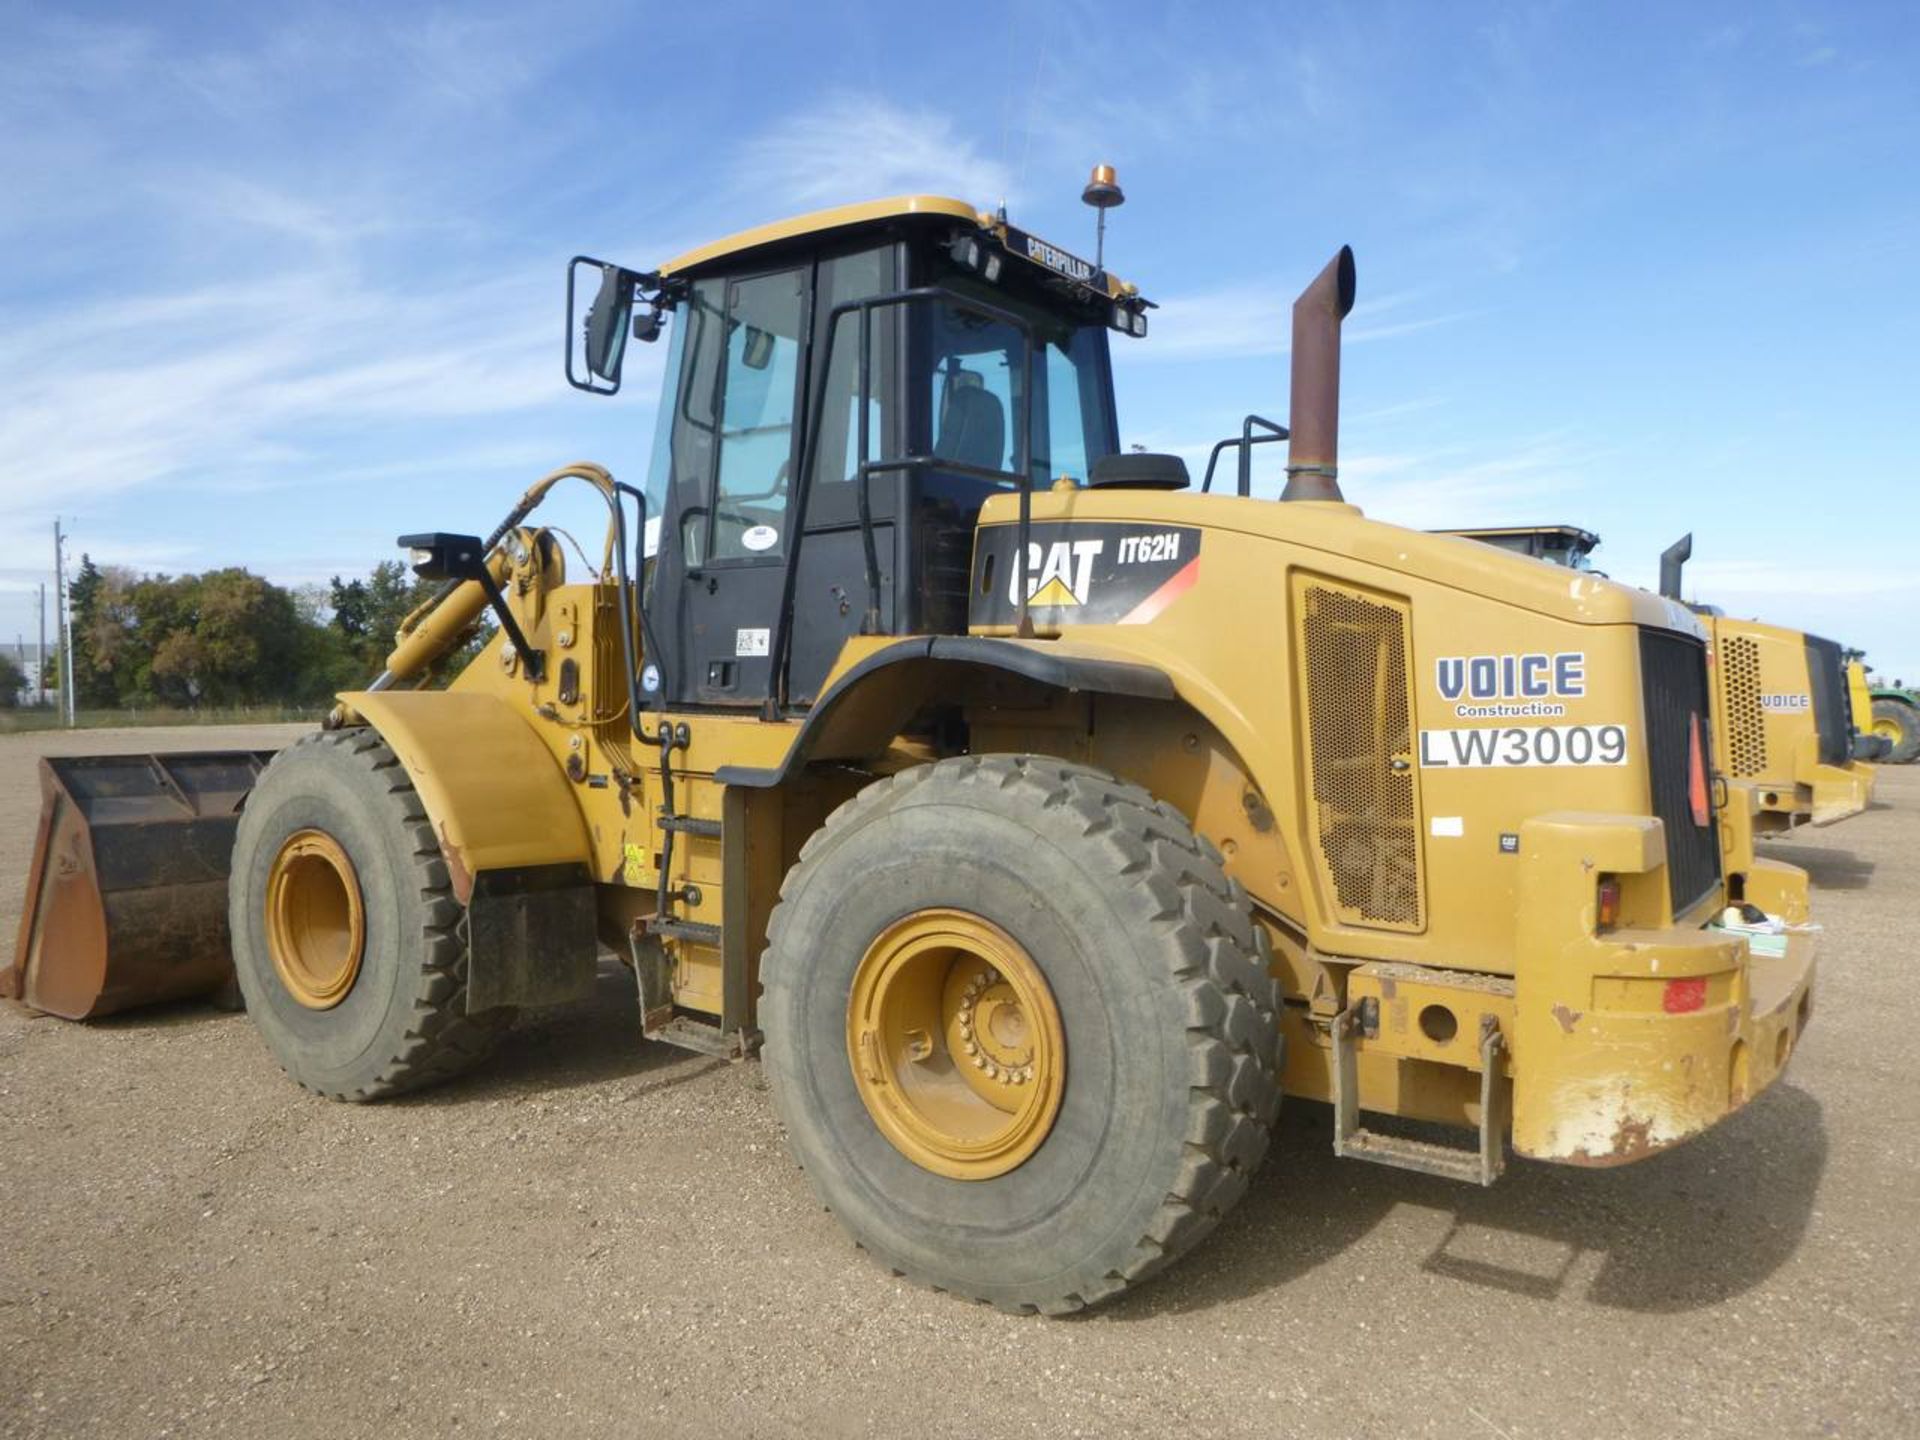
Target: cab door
pixel 736 447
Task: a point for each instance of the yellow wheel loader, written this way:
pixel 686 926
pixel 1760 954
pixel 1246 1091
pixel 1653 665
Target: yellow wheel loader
pixel 1792 730
pixel 1038 820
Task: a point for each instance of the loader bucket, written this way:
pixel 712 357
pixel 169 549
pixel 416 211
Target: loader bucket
pixel 127 898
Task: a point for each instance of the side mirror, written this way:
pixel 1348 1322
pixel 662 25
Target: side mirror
pixel 757 353
pixel 599 343
pixel 607 324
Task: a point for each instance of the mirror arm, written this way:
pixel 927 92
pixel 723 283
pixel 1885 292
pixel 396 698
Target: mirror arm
pixel 535 660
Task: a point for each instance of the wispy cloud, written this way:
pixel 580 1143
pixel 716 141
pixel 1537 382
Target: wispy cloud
pixel 1457 486
pixel 1424 489
pixel 1242 321
pixel 107 400
pixel 863 147
pixel 241 342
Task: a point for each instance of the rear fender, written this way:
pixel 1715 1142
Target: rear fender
pixel 511 833
pixel 870 703
pixel 1159 729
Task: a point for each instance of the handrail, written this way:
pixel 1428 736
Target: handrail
pixel 1246 441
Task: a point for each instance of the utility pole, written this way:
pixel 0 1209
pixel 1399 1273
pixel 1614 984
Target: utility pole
pixel 40 655
pixel 63 623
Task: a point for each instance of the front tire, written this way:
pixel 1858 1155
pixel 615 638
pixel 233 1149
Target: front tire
pixel 1028 891
pixel 348 942
pixel 1900 723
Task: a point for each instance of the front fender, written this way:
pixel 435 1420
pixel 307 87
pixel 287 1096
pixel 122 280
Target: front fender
pixel 496 797
pixel 513 838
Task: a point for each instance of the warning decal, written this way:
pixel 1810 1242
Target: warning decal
pixel 1093 573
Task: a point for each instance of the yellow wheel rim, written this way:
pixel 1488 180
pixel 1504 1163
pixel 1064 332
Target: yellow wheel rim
pixel 1886 728
pixel 956 1044
pixel 316 926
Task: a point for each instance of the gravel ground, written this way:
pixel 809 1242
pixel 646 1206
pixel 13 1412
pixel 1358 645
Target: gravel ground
pixel 598 1236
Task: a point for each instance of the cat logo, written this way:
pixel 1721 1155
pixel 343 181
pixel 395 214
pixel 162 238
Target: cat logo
pixel 1062 573
pixel 1084 572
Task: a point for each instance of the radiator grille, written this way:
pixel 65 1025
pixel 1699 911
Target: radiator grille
pixel 1673 675
pixel 1832 706
pixel 1354 675
pixel 1746 721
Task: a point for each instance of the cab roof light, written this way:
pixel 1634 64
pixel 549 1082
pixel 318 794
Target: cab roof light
pixel 970 252
pixel 1129 319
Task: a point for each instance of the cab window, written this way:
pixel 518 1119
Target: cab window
pixel 684 431
pixel 841 279
pixel 977 395
pixel 759 394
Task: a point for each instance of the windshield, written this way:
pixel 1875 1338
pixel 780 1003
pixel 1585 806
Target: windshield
pixel 975 392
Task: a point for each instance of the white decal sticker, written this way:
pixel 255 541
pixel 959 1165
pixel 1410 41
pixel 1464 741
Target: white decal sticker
pixel 1149 549
pixel 1786 704
pixel 1492 746
pixel 649 678
pixel 760 537
pixel 1058 574
pixel 750 642
pixel 1452 826
pixel 1055 258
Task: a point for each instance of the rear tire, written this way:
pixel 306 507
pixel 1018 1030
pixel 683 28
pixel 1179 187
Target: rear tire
pixel 1900 723
pixel 393 1016
pixel 1161 983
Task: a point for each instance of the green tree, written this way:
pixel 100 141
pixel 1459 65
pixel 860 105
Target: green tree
pixel 223 638
pixel 13 680
pixel 367 613
pixel 230 638
pixel 95 685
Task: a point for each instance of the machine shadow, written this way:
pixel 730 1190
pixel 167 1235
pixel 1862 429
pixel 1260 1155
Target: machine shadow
pixel 1674 1233
pixel 590 1042
pixel 1828 869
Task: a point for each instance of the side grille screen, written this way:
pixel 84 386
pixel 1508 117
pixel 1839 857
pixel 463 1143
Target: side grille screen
pixel 1353 671
pixel 1673 675
pixel 1832 708
pixel 1746 721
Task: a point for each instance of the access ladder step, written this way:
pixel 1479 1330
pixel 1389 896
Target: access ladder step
pixel 1479 1166
pixel 691 931
pixel 691 825
pixel 705 1039
pixel 1447 1161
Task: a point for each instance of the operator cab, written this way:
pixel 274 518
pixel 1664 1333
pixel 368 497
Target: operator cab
pixel 1566 545
pixel 842 394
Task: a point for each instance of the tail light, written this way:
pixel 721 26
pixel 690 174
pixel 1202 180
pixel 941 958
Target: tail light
pixel 1606 910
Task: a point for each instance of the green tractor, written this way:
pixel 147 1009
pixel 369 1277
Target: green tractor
pixel 1896 717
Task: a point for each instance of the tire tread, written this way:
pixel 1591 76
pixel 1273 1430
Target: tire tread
pixel 443 1040
pixel 1213 950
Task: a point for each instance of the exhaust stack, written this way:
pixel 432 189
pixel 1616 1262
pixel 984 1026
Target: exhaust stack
pixel 1313 451
pixel 1671 560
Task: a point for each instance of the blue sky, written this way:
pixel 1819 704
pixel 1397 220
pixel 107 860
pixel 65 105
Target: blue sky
pixel 278 283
